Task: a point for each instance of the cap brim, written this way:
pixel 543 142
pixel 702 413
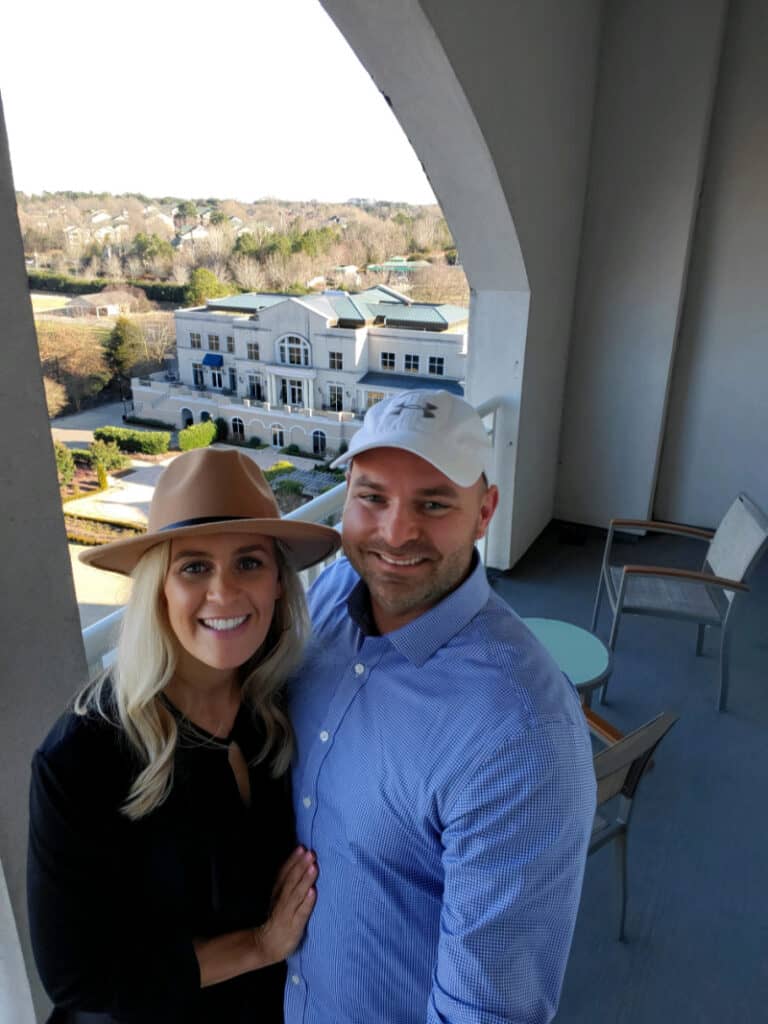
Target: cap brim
pixel 305 543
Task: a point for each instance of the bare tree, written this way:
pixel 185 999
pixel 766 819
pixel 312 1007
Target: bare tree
pixel 55 396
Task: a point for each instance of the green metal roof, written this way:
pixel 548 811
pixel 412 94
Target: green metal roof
pixel 250 302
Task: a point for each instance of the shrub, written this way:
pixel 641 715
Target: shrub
pixel 82 457
pixel 222 428
pixel 255 442
pixel 288 486
pixel 96 531
pixel 147 442
pixel 142 422
pixel 65 464
pixel 101 476
pixel 279 469
pixel 199 435
pixel 108 455
pixel 291 449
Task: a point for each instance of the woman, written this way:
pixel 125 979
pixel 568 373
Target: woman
pixel 162 887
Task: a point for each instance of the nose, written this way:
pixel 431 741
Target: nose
pixel 398 525
pixel 222 586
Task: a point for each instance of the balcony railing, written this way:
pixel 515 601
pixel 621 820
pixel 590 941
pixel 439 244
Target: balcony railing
pixel 100 639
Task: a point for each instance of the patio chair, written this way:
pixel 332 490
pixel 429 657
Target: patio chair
pixel 707 596
pixel 618 770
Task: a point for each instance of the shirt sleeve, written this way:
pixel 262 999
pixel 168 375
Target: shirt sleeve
pixel 97 945
pixel 515 844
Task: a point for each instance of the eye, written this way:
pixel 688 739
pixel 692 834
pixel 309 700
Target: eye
pixel 250 562
pixel 435 506
pixel 193 568
pixel 371 499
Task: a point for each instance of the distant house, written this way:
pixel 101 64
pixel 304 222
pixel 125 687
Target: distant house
pixel 348 273
pixel 189 236
pixel 98 304
pixel 99 217
pixel 398 266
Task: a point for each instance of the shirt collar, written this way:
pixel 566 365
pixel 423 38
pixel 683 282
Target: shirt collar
pixel 419 639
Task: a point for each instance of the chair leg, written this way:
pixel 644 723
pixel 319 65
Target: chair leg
pixel 621 863
pixel 614 628
pixel 598 597
pixel 701 632
pixel 725 669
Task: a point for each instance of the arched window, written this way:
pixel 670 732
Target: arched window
pixel 187 419
pixel 238 429
pixel 318 442
pixel 293 351
pixel 204 416
pixel 278 437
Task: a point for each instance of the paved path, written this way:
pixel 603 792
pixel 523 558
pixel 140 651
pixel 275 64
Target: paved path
pixel 76 431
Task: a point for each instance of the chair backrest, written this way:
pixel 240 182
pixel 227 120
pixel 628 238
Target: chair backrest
pixel 739 542
pixel 619 768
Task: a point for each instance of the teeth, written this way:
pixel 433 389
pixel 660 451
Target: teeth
pixel 398 561
pixel 224 624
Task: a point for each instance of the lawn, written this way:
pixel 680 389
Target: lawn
pixel 43 303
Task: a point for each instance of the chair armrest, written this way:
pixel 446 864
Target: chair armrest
pixel 686 574
pixel 601 728
pixel 654 526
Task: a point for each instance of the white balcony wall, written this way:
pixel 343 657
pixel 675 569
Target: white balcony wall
pixel 658 75
pixel 716 442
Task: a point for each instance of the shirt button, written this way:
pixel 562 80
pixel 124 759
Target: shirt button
pixel 323 736
pixel 359 669
pixel 307 801
pixel 295 979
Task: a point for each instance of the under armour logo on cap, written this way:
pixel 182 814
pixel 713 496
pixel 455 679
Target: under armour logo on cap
pixel 438 426
pixel 427 408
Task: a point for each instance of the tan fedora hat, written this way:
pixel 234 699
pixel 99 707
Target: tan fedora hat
pixel 215 491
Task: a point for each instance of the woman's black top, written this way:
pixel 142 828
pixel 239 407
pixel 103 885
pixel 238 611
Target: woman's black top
pixel 116 904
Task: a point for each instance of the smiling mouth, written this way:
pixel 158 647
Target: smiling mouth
pixel 224 625
pixel 399 563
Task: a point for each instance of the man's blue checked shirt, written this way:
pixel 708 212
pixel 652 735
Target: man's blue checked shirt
pixel 444 778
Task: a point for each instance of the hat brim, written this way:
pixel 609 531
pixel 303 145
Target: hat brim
pixel 305 543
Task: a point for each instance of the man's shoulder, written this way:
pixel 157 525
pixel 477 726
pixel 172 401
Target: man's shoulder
pixel 330 590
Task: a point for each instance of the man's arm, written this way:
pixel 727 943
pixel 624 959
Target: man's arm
pixel 515 842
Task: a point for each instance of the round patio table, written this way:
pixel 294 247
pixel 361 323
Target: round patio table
pixel 581 655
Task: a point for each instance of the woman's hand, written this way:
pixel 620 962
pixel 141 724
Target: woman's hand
pixel 293 899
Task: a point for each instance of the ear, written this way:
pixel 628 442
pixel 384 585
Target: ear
pixel 487 507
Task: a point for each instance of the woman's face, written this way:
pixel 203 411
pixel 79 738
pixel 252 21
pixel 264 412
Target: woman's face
pixel 220 592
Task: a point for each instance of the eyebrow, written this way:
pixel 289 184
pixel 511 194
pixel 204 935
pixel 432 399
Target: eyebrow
pixel 207 554
pixel 440 491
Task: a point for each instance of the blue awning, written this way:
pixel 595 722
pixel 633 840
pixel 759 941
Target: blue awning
pixel 212 359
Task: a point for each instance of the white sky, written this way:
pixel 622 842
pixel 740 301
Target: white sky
pixel 221 99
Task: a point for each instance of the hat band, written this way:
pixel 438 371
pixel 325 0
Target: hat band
pixel 200 521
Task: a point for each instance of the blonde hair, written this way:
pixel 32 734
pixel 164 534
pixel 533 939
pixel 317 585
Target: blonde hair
pixel 146 661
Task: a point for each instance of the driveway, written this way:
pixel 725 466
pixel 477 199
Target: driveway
pixel 76 431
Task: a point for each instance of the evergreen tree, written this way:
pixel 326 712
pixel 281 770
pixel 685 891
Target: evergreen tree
pixel 124 347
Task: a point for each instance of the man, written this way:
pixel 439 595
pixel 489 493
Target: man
pixel 444 772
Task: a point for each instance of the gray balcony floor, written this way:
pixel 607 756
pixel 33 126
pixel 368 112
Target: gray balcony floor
pixel 697 921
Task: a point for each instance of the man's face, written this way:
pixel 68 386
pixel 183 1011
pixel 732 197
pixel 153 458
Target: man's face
pixel 409 531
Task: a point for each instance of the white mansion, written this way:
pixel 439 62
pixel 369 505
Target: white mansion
pixel 303 370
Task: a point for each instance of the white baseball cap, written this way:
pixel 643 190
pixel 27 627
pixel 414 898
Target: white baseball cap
pixel 439 427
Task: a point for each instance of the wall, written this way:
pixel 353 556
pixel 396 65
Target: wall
pixel 42 663
pixel 717 436
pixel 658 73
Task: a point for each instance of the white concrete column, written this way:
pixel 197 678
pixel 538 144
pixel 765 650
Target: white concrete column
pixel 43 662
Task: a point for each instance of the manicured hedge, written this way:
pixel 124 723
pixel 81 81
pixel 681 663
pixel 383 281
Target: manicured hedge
pixel 147 442
pixel 96 531
pixel 199 435
pixel 145 422
pixel 157 291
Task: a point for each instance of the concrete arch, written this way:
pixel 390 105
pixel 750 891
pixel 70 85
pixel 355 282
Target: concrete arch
pixel 402 52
